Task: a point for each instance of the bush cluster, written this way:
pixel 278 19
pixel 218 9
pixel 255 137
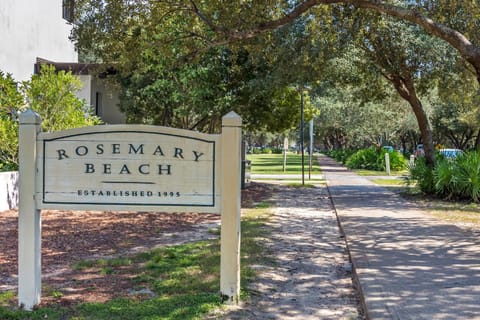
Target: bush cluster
pixel 457 178
pixel 374 159
pixel 52 95
pixel 341 155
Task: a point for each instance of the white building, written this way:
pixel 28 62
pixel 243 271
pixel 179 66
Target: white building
pixel 34 31
pixel 31 29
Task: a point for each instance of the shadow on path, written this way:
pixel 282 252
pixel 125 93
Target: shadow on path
pixel 409 265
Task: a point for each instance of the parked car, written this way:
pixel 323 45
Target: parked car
pixel 450 153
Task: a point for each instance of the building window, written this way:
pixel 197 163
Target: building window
pixel 67 10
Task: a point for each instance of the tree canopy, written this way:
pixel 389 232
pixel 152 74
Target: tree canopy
pixel 185 63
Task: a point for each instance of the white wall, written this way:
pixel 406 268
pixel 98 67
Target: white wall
pixel 86 91
pixel 31 29
pixel 8 190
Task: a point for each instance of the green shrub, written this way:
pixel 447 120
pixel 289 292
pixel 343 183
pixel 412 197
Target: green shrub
pixel 445 181
pixel 458 178
pixel 52 96
pixel 374 159
pixel 397 160
pixel 10 100
pixel 364 159
pixel 8 144
pixel 267 150
pixel 423 175
pixel 256 151
pixel 341 155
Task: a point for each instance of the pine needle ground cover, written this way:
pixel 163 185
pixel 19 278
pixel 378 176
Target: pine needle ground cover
pixel 174 282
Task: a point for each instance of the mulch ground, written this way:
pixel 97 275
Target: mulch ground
pixel 71 236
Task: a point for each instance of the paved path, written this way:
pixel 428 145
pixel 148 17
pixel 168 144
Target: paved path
pixel 409 265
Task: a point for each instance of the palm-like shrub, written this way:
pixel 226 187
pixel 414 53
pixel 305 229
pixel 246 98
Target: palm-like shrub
pixel 467 176
pixel 423 176
pixel 445 179
pixel 457 178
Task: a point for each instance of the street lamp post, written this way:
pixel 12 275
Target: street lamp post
pixel 302 124
pixel 310 149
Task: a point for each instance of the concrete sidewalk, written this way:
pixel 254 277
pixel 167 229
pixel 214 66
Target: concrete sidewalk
pixel 409 265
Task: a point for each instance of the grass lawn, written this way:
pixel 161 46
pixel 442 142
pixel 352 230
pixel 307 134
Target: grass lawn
pixel 389 182
pixel 177 282
pixel 273 164
pixel 364 172
pixel 462 213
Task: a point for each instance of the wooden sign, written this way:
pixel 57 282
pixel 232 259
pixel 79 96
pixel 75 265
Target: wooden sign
pixel 127 167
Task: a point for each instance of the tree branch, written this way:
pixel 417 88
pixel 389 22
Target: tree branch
pixel 469 51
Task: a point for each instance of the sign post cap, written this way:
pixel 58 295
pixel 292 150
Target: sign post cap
pixel 30 117
pixel 231 119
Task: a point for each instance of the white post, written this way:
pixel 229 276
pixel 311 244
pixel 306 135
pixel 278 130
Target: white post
pixel 387 163
pixel 29 219
pixel 411 162
pixel 230 228
pixel 285 149
pixel 311 150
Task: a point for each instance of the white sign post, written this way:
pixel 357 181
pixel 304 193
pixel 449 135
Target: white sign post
pixel 127 167
pixel 230 227
pixel 29 219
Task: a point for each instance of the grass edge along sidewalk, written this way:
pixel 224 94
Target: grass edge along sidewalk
pixel 269 167
pixel 176 282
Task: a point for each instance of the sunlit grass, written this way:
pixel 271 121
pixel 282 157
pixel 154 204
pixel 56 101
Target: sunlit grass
pixel 364 172
pixel 458 216
pixel 273 164
pixel 389 182
pixel 300 185
pixel 453 211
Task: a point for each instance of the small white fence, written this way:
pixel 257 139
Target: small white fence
pixel 8 190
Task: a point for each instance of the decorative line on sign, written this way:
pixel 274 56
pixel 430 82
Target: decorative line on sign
pixel 129 182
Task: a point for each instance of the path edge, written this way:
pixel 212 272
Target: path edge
pixel 356 279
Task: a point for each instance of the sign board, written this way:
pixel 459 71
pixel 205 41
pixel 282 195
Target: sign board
pixel 127 167
pixel 123 167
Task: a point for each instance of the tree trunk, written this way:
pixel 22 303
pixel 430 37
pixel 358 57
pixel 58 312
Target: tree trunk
pixel 406 89
pixel 403 142
pixel 477 141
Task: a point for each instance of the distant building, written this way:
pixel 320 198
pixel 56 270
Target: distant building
pixel 99 94
pixel 37 31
